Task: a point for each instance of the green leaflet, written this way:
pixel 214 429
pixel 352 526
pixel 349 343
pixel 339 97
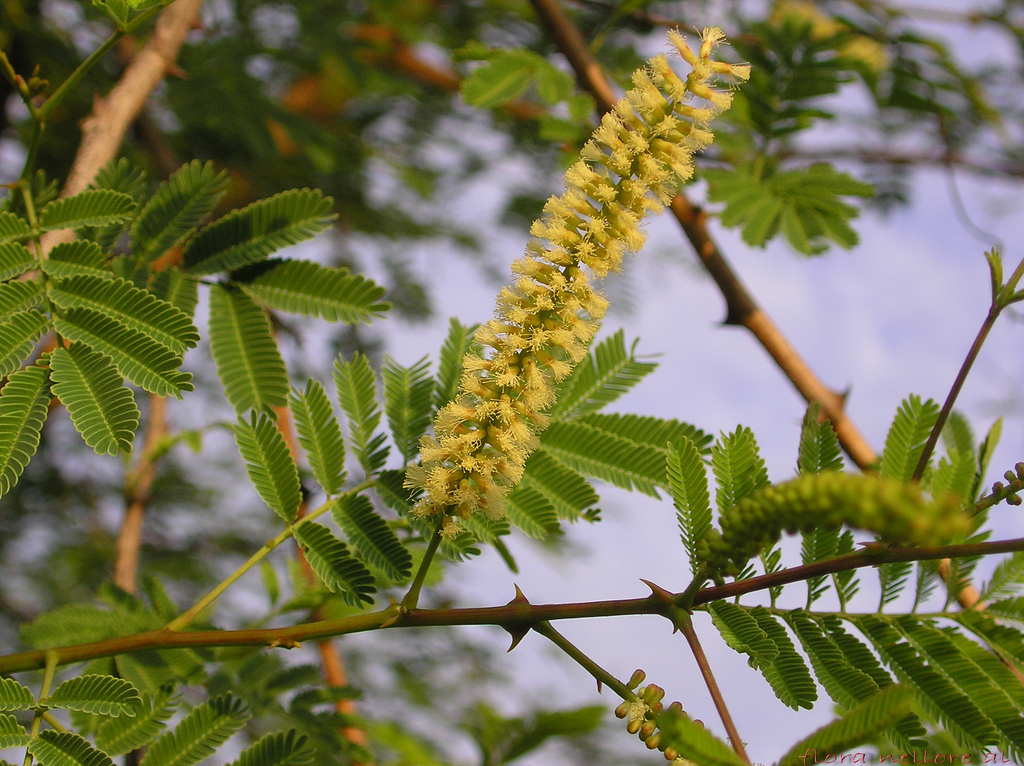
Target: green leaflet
pixel 269 464
pixel 199 733
pixel 179 290
pixel 738 467
pixel 118 736
pixel 1007 579
pixel 66 748
pixel 531 511
pixel 688 484
pixel 500 80
pixel 357 394
pixel 567 491
pixel 137 309
pixel 144 361
pixel 408 394
pixel 93 207
pixel 693 740
pixel 319 435
pixel 12 733
pixel 456 345
pixel 76 258
pixel 20 295
pixel 742 632
pixel 248 361
pixel 280 749
pixel 339 570
pixel 18 335
pixel 907 434
pixel 602 376
pixel 176 208
pixel 304 287
pixel 13 228
pixel 859 726
pixel 251 234
pixel 97 695
pixel 372 537
pixel 819 445
pixel 15 259
pixel 787 673
pixel 102 409
pixel 120 176
pixel 14 696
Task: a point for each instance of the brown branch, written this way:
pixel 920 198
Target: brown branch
pixel 516 616
pixel 741 308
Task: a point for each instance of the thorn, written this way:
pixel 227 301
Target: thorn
pixel 520 598
pixel 599 687
pixel 658 592
pixel 518 634
pixel 173 70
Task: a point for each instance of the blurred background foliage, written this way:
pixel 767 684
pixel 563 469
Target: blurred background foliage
pixel 366 100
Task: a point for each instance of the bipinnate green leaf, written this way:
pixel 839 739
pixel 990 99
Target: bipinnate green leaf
pixel 500 80
pixel 280 749
pixel 906 438
pixel 307 288
pixel 357 394
pixel 97 695
pixel 18 335
pixel 688 484
pixel 695 742
pixel 340 571
pixel 456 345
pixel 738 467
pixel 176 208
pixel 846 684
pixel 568 492
pixel 371 536
pixel 65 748
pixel 819 445
pixel 138 309
pixel 1007 578
pixel 15 696
pixel 269 464
pixel 532 512
pixel 199 733
pixel 248 361
pixel 179 290
pixel 121 735
pixel 20 295
pixel 76 258
pixel 857 727
pixel 102 409
pixel 600 378
pixel 15 259
pixel 92 207
pixel 786 672
pixel 13 228
pixel 408 394
pixel 319 435
pixel 12 733
pixel 251 234
pixel 140 358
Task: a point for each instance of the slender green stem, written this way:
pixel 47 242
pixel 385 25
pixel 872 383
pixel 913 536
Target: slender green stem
pixel 999 302
pixel 52 660
pixel 602 675
pixel 185 618
pixel 51 719
pixel 685 625
pixel 412 598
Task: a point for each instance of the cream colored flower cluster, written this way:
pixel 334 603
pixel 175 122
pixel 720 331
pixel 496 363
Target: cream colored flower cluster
pixel 545 320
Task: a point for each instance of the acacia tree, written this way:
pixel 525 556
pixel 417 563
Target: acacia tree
pixel 429 463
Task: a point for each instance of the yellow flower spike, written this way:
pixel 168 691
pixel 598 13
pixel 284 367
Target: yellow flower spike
pixel 545 320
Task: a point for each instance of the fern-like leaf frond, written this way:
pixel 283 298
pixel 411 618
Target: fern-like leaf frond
pixel 742 633
pixel 199 733
pixel 371 536
pixel 251 234
pixel 319 435
pixel 66 748
pixel 529 510
pixel 20 295
pixel 604 375
pixel 693 739
pixel 456 345
pixel 146 362
pixel 13 228
pixel 92 207
pixel 122 735
pixel 906 438
pixel 819 445
pixel 176 208
pixel 688 484
pixel 269 464
pixel 12 733
pixel 102 409
pixel 567 491
pixel 15 696
pixel 18 335
pixel 408 395
pixel 357 394
pixel 280 749
pixel 307 288
pixel 76 258
pixel 738 467
pixel 787 672
pixel 96 695
pixel 174 287
pixel 340 571
pixel 248 361
pixel 15 259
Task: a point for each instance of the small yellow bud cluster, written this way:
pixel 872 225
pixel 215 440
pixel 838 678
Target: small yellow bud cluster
pixel 895 511
pixel 640 714
pixel 1015 484
pixel 545 320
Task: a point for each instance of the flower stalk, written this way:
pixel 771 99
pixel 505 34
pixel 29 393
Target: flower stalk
pixel 631 167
